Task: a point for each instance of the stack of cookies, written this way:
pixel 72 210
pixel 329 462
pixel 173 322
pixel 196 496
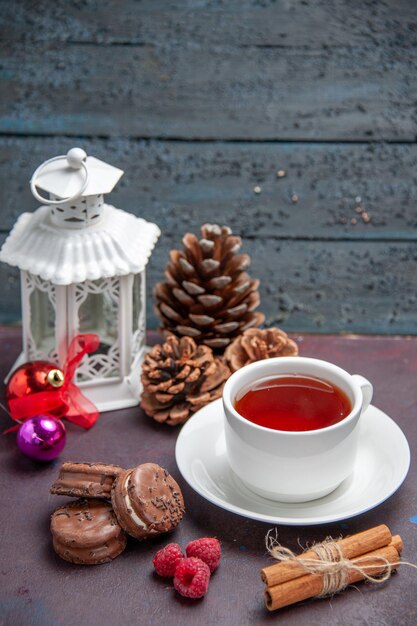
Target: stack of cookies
pixel 143 502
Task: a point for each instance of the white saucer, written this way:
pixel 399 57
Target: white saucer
pixel 381 466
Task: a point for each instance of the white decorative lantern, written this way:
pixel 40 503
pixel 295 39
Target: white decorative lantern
pixel 82 266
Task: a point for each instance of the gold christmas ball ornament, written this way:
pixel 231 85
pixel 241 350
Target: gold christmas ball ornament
pixel 55 378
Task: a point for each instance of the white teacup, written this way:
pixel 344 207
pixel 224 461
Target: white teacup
pixel 294 466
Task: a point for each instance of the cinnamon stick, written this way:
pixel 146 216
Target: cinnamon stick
pixel 397 542
pixel 352 546
pixel 311 585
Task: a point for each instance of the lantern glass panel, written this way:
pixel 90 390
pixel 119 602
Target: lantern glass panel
pixel 138 313
pixel 42 321
pixel 98 313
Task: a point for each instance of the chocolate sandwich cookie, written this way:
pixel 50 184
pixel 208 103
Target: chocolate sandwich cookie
pixel 86 532
pixel 147 501
pixel 86 480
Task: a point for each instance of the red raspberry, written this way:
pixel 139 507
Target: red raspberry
pixel 192 578
pixel 207 549
pixel 166 560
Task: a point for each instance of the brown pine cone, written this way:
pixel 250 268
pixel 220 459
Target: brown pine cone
pixel 208 295
pixel 256 344
pixel 179 378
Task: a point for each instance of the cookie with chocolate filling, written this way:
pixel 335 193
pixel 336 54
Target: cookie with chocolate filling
pixel 147 501
pixel 86 532
pixel 85 480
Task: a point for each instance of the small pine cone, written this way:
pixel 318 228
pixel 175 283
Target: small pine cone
pixel 256 344
pixel 179 378
pixel 208 295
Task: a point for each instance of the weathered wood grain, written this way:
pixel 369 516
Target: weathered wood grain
pixel 182 185
pixel 341 286
pixel 338 71
pixel 199 102
pixel 210 22
pixel 363 287
pixel 10 311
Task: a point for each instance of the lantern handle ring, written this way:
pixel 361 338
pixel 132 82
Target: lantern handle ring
pixel 75 164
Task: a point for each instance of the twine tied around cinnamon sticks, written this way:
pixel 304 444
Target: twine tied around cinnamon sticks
pixel 330 566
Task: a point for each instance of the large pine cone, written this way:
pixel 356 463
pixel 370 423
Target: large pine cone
pixel 179 378
pixel 208 295
pixel 256 344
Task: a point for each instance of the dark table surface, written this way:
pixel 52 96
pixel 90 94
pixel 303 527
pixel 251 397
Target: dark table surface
pixel 38 588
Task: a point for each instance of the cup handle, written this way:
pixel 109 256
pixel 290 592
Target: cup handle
pixel 367 390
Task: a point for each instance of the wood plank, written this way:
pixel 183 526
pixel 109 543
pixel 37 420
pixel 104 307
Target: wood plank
pixel 10 311
pixel 359 287
pixel 182 185
pixel 212 73
pixel 210 22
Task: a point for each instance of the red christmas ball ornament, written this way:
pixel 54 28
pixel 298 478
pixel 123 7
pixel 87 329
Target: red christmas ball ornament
pixel 33 378
pixel 41 388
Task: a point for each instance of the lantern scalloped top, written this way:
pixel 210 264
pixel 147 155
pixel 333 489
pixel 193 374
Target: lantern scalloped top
pixel 118 245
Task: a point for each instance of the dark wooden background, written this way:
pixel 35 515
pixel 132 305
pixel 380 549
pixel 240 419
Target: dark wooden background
pixel 199 101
